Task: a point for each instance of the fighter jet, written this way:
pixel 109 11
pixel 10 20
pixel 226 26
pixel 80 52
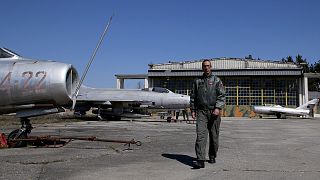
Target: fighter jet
pixel 117 103
pixel 30 87
pixel 277 110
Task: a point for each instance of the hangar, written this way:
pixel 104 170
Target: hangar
pixel 248 82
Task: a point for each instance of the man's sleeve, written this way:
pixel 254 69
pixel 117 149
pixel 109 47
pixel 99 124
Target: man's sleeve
pixel 221 95
pixel 193 96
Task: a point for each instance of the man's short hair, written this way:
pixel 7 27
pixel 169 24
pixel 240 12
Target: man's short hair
pixel 206 60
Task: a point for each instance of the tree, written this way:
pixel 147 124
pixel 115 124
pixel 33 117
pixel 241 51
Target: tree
pixel 249 57
pixel 311 68
pixel 299 59
pixel 303 63
pixel 289 59
pixel 316 67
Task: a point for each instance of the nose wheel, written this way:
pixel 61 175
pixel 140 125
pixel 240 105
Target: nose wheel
pixel 14 136
pixel 22 133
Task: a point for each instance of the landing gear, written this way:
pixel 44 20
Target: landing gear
pixel 22 133
pixel 26 125
pixel 98 114
pixel 15 135
pixel 278 116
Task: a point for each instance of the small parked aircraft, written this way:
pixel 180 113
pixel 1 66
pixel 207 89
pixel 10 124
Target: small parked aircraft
pixel 277 110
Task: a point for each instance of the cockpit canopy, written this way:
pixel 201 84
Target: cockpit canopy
pixel 158 89
pixel 6 53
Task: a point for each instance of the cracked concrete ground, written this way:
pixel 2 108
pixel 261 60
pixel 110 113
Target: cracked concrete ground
pixel 249 149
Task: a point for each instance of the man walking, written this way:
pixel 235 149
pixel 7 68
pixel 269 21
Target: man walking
pixel 206 102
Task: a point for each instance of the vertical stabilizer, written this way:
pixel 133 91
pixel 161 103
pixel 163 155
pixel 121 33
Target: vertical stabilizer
pixel 309 104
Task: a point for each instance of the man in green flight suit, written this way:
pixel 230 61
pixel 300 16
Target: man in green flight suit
pixel 206 102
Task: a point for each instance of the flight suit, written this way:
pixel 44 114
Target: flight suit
pixel 208 93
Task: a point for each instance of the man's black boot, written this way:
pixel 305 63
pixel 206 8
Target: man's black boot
pixel 212 160
pixel 198 164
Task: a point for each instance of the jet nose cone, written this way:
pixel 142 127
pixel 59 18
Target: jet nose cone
pixel 254 109
pixel 257 109
pixel 186 100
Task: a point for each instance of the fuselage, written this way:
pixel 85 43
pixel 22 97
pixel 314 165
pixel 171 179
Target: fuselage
pixel 25 82
pixel 147 97
pixel 273 110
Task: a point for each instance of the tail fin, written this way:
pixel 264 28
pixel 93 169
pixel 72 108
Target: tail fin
pixel 307 105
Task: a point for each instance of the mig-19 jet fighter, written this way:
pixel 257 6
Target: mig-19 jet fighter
pixel 303 110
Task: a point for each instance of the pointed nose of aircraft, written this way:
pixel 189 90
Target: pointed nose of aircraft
pixel 176 101
pixel 186 100
pixel 183 101
pixel 254 108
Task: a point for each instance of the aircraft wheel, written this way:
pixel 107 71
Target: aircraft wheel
pixel 169 119
pixel 17 134
pixel 278 116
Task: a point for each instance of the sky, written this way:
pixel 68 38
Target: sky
pixel 150 31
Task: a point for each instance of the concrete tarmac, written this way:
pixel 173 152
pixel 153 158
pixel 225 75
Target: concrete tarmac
pixel 249 149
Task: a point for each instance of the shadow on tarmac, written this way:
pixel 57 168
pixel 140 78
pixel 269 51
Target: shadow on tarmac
pixel 185 159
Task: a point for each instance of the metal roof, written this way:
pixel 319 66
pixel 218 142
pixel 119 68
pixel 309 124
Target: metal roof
pixel 131 76
pixel 246 72
pixel 226 63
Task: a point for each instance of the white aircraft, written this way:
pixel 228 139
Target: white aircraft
pixel 303 110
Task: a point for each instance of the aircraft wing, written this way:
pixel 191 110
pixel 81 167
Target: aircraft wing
pixel 106 100
pixel 108 96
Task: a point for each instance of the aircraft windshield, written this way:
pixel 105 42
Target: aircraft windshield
pixel 157 89
pixel 160 90
pixel 6 53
